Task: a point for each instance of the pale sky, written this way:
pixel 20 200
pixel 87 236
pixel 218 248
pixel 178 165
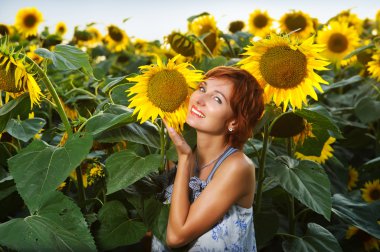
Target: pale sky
pixel 154 19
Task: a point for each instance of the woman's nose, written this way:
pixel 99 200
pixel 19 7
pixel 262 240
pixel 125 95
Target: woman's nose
pixel 201 100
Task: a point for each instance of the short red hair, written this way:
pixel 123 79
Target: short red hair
pixel 247 102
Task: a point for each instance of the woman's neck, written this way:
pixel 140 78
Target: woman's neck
pixel 209 147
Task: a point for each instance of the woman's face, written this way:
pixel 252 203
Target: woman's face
pixel 209 108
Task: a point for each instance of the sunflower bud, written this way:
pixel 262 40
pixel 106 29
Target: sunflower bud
pixel 287 125
pixel 236 26
pixel 181 44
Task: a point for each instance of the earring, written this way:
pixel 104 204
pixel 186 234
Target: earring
pixel 230 129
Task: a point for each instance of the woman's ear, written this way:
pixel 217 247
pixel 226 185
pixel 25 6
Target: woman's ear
pixel 232 125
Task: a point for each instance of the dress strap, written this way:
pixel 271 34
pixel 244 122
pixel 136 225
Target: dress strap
pixel 228 152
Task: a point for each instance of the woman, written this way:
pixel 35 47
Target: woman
pixel 217 175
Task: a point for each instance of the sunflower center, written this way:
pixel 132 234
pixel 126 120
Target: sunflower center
pixel 294 22
pixel 283 67
pixel 375 194
pixel 115 34
pixel 7 79
pixel 61 29
pixel 205 29
pixel 337 43
pixel 260 21
pixel 4 30
pixel 30 20
pixel 167 90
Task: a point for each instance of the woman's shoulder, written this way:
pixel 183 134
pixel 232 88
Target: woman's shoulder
pixel 238 164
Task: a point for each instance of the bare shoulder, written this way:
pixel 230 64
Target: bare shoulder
pixel 238 165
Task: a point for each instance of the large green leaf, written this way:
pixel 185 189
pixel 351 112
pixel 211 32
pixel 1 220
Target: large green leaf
pixel 352 80
pixel 25 130
pixel 316 116
pixel 368 110
pixel 316 239
pixel 40 168
pixel 305 180
pixel 14 108
pixel 116 115
pixel 66 57
pixel 359 214
pixel 56 224
pixel 126 167
pixel 116 229
pixel 145 133
pixel 154 213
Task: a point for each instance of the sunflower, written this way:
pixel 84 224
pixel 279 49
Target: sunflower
pixel 326 152
pixel 96 36
pixel 371 191
pixel 184 45
pixel 351 19
pixel 353 176
pixel 95 172
pixel 28 20
pixel 294 20
pixel 305 133
pixel 4 30
pixel 116 39
pixel 206 24
pixel 35 57
pixel 14 77
pixel 285 69
pixel 260 23
pixel 370 243
pixel 164 91
pixel 340 40
pixel 61 28
pixel 236 26
pixel 374 66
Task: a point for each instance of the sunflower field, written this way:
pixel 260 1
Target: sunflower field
pixel 84 152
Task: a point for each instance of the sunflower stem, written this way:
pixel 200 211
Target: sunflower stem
pixel 54 95
pixel 292 217
pixel 261 169
pixel 204 46
pixel 163 149
pixel 81 192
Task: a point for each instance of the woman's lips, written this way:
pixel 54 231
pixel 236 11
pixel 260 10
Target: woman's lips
pixel 197 112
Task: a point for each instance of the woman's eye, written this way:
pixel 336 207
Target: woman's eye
pixel 202 89
pixel 218 100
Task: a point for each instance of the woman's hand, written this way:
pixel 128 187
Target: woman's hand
pixel 182 147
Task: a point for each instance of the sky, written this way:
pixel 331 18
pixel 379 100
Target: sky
pixel 154 19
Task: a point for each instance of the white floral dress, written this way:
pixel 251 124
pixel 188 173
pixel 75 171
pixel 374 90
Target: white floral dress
pixel 235 232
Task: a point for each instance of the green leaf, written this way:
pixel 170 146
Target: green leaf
pixel 316 239
pixel 40 168
pixel 14 108
pixel 110 82
pixel 352 80
pixel 315 115
pixel 117 116
pixel 373 163
pixel 156 217
pixel 368 110
pixel 359 214
pixel 7 187
pixel 25 130
pixel 55 225
pixel 359 50
pixel 126 167
pixel 66 57
pixel 305 180
pixel 145 133
pixel 119 94
pixel 116 229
